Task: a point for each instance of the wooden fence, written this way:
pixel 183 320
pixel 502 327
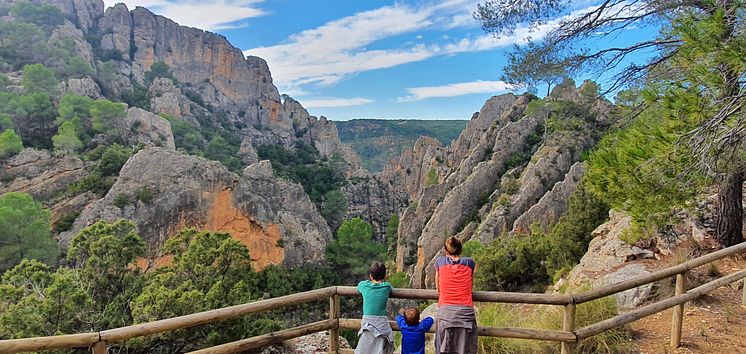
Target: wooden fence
pixel 569 335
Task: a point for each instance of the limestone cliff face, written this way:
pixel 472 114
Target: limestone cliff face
pixel 375 201
pixel 506 171
pixel 274 218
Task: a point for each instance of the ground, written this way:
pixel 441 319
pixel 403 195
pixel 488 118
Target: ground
pixel 712 324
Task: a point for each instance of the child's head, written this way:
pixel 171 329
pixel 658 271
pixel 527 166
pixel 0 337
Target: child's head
pixel 412 316
pixel 377 271
pixel 452 246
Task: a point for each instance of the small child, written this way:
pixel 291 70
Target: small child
pixel 412 330
pixel 376 336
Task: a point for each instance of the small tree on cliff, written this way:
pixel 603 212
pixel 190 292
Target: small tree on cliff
pixel 353 250
pixel 25 231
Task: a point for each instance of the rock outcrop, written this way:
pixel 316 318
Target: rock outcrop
pixel 506 171
pixel 148 129
pixel 374 201
pixel 553 204
pixel 274 218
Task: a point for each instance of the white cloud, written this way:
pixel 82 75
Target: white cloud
pixel 337 49
pixel 208 15
pixel 335 102
pixel 456 89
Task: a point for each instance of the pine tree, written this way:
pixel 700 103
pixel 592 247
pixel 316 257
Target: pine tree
pixel 66 141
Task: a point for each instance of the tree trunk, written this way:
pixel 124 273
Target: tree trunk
pixel 730 209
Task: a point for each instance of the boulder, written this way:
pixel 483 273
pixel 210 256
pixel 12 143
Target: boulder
pixel 147 128
pixel 273 217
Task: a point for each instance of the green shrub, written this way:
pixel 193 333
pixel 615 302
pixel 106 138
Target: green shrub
pixel 431 178
pixel 10 143
pixel 399 280
pixel 113 159
pixel 121 200
pixel 144 195
pixel 65 222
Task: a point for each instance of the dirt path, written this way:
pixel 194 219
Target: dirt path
pixel 712 324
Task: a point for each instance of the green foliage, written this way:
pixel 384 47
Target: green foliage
pixel 157 70
pixel 66 141
pixel 392 227
pixel 104 255
pixel 431 178
pixel 65 222
pixel 4 83
pixel 45 16
pixel 113 159
pixel 638 169
pixel 367 136
pixel 121 200
pixel 399 280
pixel 34 117
pixel 10 143
pixel 39 79
pixel 531 65
pixel 190 284
pixel 304 165
pixel 187 138
pixel 616 341
pixel 144 195
pixel 107 117
pixel 138 97
pixel 6 122
pixel 220 149
pixel 514 262
pixel 353 250
pixel 471 248
pixel 333 208
pixel 21 43
pixel 25 231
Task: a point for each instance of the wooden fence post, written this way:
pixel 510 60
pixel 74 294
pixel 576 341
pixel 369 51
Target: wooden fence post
pixel 334 315
pixel 677 320
pixel 99 348
pixel 568 325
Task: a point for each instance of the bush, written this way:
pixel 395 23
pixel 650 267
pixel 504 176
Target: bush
pixel 39 79
pixel 144 195
pixel 121 200
pixel 159 69
pixel 65 222
pixel 431 178
pixel 10 143
pixel 113 159
pixel 399 280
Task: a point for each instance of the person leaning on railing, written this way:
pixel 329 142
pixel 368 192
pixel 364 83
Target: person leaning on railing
pixel 456 327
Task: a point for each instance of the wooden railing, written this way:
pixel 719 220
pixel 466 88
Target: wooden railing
pixel 569 335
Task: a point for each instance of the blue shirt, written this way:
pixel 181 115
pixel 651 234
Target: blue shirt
pixel 413 337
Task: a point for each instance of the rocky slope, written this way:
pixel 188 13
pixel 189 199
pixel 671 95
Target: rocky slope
pixel 216 90
pixel 509 168
pixel 274 218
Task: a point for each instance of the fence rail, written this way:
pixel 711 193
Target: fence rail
pixel 98 341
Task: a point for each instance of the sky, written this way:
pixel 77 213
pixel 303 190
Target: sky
pixel 347 59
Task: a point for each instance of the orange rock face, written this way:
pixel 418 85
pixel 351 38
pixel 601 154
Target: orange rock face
pixel 263 243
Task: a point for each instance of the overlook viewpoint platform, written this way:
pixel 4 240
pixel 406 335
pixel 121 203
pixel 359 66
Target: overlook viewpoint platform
pixel 568 336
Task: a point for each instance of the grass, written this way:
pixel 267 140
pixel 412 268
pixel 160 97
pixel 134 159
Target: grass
pixel 550 317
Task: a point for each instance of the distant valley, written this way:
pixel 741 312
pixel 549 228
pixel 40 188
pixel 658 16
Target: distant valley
pixel 377 141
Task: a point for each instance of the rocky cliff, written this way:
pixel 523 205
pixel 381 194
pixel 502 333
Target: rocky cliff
pixel 274 218
pixel 510 167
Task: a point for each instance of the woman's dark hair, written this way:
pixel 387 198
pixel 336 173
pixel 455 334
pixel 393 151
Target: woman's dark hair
pixel 377 271
pixel 452 246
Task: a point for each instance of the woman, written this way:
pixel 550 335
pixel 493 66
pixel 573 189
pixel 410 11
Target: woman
pixel 456 331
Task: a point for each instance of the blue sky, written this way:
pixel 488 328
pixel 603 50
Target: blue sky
pixel 350 59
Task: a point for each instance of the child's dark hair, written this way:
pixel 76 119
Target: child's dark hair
pixel 377 271
pixel 412 316
pixel 452 246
